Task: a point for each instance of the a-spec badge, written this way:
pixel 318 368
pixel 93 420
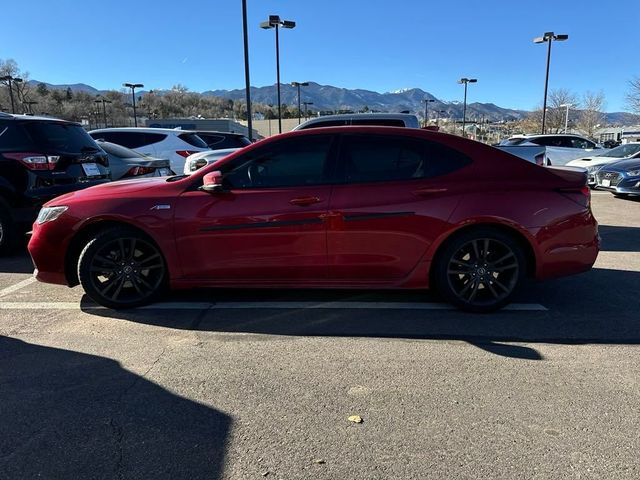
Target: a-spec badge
pixel 161 207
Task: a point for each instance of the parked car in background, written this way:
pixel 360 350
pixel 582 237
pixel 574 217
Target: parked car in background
pixel 362 119
pixel 611 143
pixel 174 145
pixel 531 153
pixel 41 158
pixel 223 140
pixel 202 159
pixel 622 178
pixel 346 207
pixel 560 148
pixel 126 163
pixel 593 163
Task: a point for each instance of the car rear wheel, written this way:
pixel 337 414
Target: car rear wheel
pixel 122 268
pixel 480 270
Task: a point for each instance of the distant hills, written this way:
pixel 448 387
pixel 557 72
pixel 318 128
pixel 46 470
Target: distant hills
pixel 328 97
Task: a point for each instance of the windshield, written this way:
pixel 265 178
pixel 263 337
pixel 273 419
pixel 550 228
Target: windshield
pixel 623 151
pixel 58 136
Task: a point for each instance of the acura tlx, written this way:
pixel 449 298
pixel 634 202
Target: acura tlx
pixel 342 207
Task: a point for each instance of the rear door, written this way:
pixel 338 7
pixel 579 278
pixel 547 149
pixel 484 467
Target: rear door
pixel 394 201
pixel 269 223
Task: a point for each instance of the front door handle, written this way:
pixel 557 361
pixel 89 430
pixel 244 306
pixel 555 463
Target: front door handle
pixel 304 201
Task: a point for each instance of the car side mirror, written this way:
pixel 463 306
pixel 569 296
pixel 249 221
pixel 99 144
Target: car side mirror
pixel 212 182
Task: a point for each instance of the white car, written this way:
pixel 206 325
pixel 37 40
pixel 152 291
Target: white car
pixel 202 159
pixel 560 148
pixel 360 119
pixel 174 145
pixel 594 163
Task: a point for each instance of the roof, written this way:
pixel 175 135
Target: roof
pixel 12 116
pixel 142 129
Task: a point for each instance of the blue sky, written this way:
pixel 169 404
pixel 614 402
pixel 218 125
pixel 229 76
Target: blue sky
pixel 378 45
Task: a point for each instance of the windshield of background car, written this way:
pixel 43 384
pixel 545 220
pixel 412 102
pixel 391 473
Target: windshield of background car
pixel 46 136
pixel 193 140
pixel 623 151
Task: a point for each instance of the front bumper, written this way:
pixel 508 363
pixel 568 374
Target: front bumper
pixel 622 184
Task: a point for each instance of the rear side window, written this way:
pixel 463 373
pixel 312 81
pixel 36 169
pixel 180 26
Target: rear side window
pixel 13 138
pixel 193 140
pixel 367 159
pixel 218 142
pixel 130 139
pixel 388 122
pixel 45 136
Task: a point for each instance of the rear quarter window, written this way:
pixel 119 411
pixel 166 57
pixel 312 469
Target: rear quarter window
pixel 13 138
pixel 193 140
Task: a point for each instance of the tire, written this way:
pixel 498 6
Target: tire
pixel 473 281
pixel 122 268
pixel 7 231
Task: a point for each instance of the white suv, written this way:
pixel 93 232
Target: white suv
pixel 360 119
pixel 174 145
pixel 560 148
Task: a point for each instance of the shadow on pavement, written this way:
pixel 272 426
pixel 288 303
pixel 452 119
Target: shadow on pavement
pixel 620 239
pixel 65 414
pixel 17 262
pixel 596 307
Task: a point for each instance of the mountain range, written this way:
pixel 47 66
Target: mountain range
pixel 328 97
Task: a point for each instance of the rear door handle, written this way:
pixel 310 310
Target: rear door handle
pixel 423 192
pixel 304 201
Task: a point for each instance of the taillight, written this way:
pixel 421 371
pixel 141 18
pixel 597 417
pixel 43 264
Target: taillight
pixel 135 171
pixel 580 195
pixel 35 161
pixel 185 153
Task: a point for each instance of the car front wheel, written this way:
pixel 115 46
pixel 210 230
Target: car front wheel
pixel 480 270
pixel 122 268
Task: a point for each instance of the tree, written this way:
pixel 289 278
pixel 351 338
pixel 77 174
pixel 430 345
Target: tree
pixel 633 95
pixel 69 94
pixel 591 116
pixel 42 90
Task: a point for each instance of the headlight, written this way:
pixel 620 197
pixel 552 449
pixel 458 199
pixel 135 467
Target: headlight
pixel 634 173
pixel 49 214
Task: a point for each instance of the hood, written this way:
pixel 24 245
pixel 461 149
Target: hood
pixel 591 161
pixel 624 165
pixel 122 188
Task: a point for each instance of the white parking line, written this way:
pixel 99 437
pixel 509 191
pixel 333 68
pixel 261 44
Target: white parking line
pixel 520 307
pixel 17 286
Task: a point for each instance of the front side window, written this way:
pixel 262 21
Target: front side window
pixel 293 162
pixel 368 158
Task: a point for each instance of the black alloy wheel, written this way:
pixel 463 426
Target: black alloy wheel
pixel 479 271
pixel 121 268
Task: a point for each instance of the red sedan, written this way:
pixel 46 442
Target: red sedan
pixel 346 207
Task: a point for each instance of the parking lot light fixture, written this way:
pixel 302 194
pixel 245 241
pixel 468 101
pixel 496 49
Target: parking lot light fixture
pixel 299 84
pixel 276 22
pixel 133 87
pixel 548 37
pixel 9 79
pixel 426 110
pixel 465 81
pixel 104 101
pixel 247 80
pixel 306 107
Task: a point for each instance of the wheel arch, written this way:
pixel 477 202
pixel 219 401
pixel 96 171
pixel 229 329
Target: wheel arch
pixel 88 230
pixel 521 238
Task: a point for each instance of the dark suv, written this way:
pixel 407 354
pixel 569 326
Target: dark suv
pixel 42 158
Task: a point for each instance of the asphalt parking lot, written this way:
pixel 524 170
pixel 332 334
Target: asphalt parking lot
pixel 255 384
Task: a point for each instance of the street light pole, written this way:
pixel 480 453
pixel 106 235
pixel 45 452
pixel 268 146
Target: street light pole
pixel 566 118
pixel 299 84
pixel 306 111
pixel 438 118
pixel 275 22
pixel 246 69
pixel 133 87
pixel 426 110
pixel 548 37
pixel 29 105
pixel 104 109
pixel 465 81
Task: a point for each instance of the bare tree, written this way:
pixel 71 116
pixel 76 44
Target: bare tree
pixel 556 113
pixel 591 116
pixel 633 95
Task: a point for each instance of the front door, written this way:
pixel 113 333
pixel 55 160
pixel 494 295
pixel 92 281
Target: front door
pixel 269 223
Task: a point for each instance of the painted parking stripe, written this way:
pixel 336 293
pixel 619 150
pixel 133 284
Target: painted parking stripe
pixel 520 307
pixel 17 286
